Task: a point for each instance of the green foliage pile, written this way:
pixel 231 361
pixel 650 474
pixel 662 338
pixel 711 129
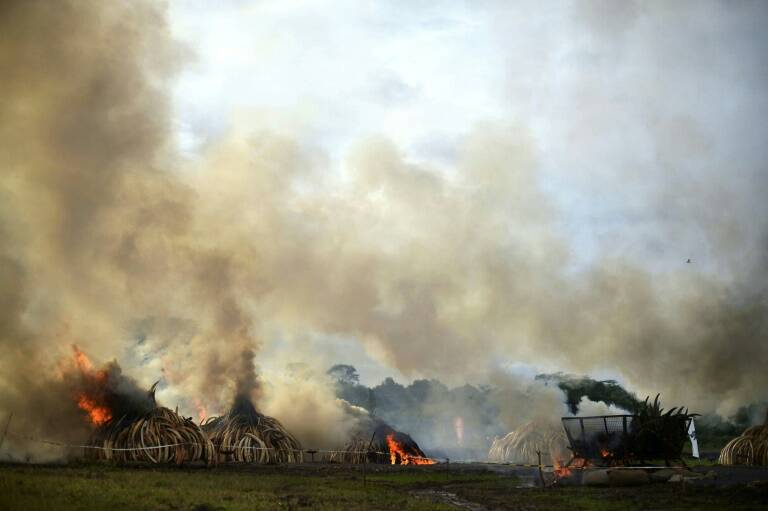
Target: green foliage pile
pixel 659 434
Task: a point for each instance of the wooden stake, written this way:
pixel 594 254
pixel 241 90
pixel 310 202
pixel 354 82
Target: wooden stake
pixel 365 486
pixel 541 474
pixel 370 444
pixel 5 431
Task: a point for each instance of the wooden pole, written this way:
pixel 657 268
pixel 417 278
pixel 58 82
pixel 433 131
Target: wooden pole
pixel 541 474
pixel 365 486
pixel 682 480
pixel 5 431
pixel 370 444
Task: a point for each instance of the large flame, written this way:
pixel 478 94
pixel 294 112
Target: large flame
pixel 562 470
pixel 398 450
pixel 98 412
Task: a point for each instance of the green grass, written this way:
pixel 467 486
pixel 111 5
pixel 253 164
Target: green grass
pixel 324 487
pixel 700 462
pixel 112 488
pixel 418 478
pixel 662 496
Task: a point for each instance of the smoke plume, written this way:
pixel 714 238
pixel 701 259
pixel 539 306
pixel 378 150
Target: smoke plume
pixel 185 268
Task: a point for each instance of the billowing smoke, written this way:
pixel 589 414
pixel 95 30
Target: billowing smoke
pixel 103 245
pixel 187 268
pixel 305 403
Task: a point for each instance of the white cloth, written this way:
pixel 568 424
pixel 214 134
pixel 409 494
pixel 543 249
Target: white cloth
pixel 694 442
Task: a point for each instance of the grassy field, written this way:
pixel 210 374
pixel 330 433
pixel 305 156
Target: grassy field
pixel 81 487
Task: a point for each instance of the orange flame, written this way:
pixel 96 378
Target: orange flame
pixel 201 411
pixel 84 364
pixel 561 470
pixel 397 449
pixel 605 453
pixel 98 413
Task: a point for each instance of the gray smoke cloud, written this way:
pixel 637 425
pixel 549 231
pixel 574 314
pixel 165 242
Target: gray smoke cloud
pixel 187 268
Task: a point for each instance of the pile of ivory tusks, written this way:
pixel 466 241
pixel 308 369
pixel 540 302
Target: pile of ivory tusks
pixel 524 444
pixel 356 451
pixel 160 436
pixel 750 448
pixel 252 439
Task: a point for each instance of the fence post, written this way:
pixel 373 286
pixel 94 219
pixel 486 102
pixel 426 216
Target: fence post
pixel 541 474
pixel 5 431
pixel 365 486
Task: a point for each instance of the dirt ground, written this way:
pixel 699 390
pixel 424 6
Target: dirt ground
pixel 474 487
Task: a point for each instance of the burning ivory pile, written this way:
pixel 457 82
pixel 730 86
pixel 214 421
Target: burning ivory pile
pixel 245 435
pixel 381 445
pixel 159 436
